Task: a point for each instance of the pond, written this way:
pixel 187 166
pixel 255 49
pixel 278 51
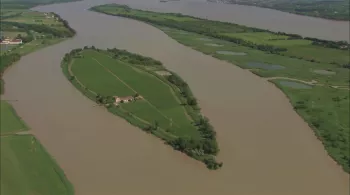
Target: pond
pixel 231 53
pixel 265 66
pixel 295 85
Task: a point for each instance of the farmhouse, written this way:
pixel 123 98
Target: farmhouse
pixel 125 99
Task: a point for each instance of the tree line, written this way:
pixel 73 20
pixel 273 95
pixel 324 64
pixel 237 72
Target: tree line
pixel 7 60
pixel 133 58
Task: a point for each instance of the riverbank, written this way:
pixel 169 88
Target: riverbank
pixel 270 57
pixel 25 164
pixel 35 30
pixel 334 10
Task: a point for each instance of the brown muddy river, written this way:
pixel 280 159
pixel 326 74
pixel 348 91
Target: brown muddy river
pixel 266 147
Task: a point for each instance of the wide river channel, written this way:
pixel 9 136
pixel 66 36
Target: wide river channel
pixel 267 149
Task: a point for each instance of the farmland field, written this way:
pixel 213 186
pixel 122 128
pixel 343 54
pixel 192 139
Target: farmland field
pixel 314 74
pixel 167 108
pixel 26 167
pixel 9 121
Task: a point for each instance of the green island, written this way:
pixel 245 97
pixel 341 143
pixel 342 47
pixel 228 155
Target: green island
pixel 26 167
pixel 140 90
pixel 313 73
pixel 335 10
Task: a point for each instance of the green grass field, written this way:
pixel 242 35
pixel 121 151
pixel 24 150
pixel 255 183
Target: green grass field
pixel 293 68
pixel 26 168
pixel 38 18
pixel 325 108
pixel 9 121
pixel 159 102
pixel 327 111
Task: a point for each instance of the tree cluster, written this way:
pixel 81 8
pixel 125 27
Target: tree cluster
pixel 7 59
pixel 343 45
pixel 133 58
pixel 184 89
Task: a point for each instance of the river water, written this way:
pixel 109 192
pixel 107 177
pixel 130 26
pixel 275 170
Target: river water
pixel 267 149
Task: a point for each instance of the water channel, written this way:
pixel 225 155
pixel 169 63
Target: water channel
pixel 267 149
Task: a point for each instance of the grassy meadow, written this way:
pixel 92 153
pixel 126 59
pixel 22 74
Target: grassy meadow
pixel 167 108
pixel 26 168
pixel 9 121
pixel 327 111
pixel 159 105
pixel 324 104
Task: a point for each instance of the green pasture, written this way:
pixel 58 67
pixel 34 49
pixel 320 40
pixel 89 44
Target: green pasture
pixel 9 121
pixel 33 17
pixel 26 168
pixel 293 67
pixel 326 110
pixel 35 45
pixel 117 78
pixel 13 34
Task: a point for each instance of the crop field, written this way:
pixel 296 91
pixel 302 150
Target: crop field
pixel 32 17
pixel 13 34
pixel 314 79
pixel 39 18
pixel 9 121
pixel 109 77
pixel 35 45
pixel 26 168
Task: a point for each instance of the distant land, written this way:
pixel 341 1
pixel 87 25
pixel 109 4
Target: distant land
pixel 328 9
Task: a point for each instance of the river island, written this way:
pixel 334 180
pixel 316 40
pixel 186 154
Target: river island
pixel 140 90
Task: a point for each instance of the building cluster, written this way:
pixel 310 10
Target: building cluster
pixel 126 99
